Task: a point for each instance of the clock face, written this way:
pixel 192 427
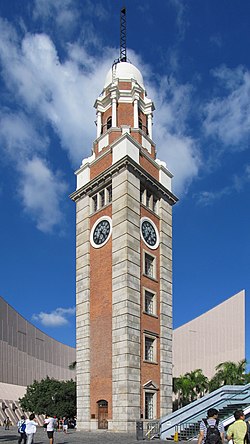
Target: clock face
pixel 149 233
pixel 101 232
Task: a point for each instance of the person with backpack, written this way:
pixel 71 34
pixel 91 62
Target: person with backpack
pixel 30 428
pixel 211 429
pixel 238 430
pixel 21 430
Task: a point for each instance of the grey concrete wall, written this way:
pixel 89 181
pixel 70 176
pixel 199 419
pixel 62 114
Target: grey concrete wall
pixel 26 353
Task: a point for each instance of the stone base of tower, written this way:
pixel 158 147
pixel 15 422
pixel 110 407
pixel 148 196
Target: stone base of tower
pixel 113 426
pixel 88 426
pixel 122 426
pixel 84 425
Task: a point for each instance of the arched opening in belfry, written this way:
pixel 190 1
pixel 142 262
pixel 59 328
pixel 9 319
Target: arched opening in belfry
pixel 109 122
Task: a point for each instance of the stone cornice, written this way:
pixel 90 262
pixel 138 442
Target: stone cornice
pixel 125 163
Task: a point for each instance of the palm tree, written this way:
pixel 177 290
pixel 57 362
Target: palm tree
pixel 199 383
pixel 195 384
pixel 229 373
pixel 214 383
pixel 189 387
pixel 182 388
pixel 247 378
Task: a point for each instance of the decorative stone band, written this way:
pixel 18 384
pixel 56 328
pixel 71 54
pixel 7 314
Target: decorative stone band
pixel 127 163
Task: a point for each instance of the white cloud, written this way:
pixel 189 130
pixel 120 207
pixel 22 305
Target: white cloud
pixel 19 137
pixel 62 93
pixel 181 17
pixel 238 181
pixel 206 198
pixel 56 318
pixel 216 40
pixel 41 192
pixel 49 92
pixel 227 117
pixel 227 125
pixel 62 12
pixel 63 16
pixel 174 145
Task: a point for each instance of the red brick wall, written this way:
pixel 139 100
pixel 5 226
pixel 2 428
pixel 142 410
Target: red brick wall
pixel 125 85
pixel 149 167
pixel 100 165
pixel 114 135
pixel 101 321
pixel 125 114
pixel 137 136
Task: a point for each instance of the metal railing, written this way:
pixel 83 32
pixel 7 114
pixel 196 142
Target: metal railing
pixel 153 430
pixel 193 412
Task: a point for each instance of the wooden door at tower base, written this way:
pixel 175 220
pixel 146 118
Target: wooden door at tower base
pixel 102 414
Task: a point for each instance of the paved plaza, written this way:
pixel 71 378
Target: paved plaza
pixel 74 437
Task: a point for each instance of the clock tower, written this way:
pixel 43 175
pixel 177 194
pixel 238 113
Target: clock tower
pixel 123 264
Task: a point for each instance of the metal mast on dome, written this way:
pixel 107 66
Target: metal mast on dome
pixel 123 49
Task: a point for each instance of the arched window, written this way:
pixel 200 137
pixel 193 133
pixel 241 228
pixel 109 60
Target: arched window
pixel 109 122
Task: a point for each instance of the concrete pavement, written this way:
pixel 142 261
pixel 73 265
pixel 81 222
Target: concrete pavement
pixel 73 437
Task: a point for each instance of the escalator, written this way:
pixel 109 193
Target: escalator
pixel 185 421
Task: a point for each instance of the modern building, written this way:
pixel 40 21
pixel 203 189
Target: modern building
pixel 214 337
pixel 26 354
pixel 123 263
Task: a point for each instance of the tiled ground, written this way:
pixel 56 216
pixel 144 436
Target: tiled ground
pixel 73 437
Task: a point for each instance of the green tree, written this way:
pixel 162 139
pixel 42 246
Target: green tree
pixel 198 383
pixel 229 373
pixel 247 378
pixel 182 388
pixel 194 384
pixel 189 387
pixel 50 396
pixel 214 383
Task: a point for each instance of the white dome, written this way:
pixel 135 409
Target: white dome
pixel 124 71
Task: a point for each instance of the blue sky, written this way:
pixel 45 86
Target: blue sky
pixel 54 56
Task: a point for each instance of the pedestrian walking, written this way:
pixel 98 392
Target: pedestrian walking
pixel 22 430
pixel 51 424
pixel 211 429
pixel 7 423
pixel 65 424
pixel 30 428
pixel 237 431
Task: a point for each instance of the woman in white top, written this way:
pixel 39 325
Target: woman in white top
pixel 30 428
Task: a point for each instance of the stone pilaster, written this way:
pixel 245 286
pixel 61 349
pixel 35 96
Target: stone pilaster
pixel 83 313
pixel 165 213
pixel 125 302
